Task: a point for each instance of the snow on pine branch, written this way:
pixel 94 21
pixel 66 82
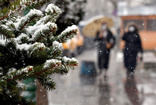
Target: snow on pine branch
pixel 20 37
pixel 36 46
pixel 44 20
pixel 51 62
pixel 25 70
pixel 30 47
pixel 42 30
pixel 27 18
pixel 23 46
pixel 4 30
pixel 68 33
pixel 53 10
pixel 57 44
pixel 69 61
pixel 2 42
pixel 14 73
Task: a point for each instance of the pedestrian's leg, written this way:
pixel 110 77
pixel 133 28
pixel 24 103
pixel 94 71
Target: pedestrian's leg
pixel 100 67
pixel 101 74
pixel 99 64
pixel 130 73
pixel 105 74
pixel 106 63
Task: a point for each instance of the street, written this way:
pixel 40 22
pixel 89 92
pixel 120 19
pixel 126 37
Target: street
pixel 73 89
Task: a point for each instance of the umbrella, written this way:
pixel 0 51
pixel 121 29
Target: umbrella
pixel 93 26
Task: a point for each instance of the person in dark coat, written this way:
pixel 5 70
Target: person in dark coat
pixel 105 41
pixel 132 47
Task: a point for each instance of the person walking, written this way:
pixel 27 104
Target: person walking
pixel 132 47
pixel 105 41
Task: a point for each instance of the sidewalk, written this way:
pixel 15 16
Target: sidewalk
pixel 72 89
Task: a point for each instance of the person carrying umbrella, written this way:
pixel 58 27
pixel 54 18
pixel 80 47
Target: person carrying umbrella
pixel 106 41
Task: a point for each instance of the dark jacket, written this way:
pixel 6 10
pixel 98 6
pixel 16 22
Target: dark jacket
pixel 103 52
pixel 102 41
pixel 132 47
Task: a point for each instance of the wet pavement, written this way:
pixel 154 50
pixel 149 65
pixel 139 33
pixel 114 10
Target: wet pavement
pixel 74 89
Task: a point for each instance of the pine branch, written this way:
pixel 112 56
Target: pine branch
pixel 67 34
pixel 43 31
pixel 52 12
pixel 33 14
pixel 28 21
pixel 6 32
pixel 40 72
pixel 47 83
pixel 18 6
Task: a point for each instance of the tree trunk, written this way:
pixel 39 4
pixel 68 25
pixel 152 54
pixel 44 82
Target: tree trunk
pixel 41 95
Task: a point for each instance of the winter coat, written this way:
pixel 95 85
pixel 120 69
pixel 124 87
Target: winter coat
pixel 132 47
pixel 103 51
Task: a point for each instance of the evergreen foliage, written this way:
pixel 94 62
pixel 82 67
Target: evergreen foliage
pixel 8 7
pixel 28 50
pixel 72 10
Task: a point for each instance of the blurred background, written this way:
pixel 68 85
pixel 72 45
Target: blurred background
pixel 81 86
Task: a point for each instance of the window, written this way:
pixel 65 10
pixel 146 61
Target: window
pixel 139 23
pixel 151 24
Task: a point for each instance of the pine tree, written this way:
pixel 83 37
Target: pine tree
pixel 30 47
